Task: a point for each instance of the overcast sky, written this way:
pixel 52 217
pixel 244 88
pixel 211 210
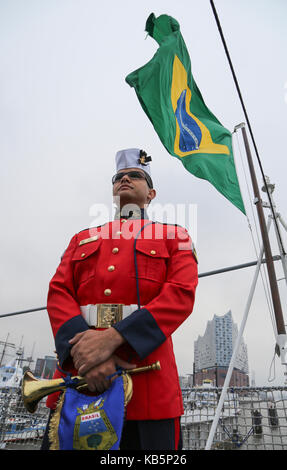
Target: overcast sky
pixel 65 110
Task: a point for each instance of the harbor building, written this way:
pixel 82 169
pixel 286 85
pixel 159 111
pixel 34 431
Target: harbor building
pixel 45 367
pixel 213 351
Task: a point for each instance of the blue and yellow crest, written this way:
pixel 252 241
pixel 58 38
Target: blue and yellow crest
pixel 83 422
pixel 93 430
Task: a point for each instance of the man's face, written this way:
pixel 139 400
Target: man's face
pixel 131 190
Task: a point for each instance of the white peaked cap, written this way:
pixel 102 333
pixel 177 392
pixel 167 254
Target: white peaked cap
pixel 133 158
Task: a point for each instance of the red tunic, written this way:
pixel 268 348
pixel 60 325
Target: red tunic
pixel 167 280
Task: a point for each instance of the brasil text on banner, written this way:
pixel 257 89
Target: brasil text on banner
pixel 189 131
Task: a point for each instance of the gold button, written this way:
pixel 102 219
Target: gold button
pixel 83 254
pixel 153 252
pixel 107 292
pixel 111 268
pixel 123 220
pixel 115 250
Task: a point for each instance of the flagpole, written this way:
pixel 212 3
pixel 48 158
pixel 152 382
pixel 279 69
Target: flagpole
pixel 281 338
pixel 265 239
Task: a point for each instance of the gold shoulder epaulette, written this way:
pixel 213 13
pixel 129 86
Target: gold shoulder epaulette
pixel 88 240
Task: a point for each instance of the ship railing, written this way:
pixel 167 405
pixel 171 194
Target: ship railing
pixel 252 418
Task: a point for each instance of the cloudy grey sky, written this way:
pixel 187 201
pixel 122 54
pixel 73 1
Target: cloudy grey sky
pixel 65 110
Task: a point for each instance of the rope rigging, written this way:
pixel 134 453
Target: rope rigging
pixel 247 119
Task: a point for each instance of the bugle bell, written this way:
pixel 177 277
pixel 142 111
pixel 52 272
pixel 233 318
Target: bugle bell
pixel 33 390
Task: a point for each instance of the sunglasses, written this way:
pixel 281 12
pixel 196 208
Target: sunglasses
pixel 133 175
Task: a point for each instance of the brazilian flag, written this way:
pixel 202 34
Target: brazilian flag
pixel 189 131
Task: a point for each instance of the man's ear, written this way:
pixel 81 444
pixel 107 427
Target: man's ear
pixel 151 195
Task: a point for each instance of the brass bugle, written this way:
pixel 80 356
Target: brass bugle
pixel 33 390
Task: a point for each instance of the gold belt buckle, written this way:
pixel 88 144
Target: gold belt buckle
pixel 108 315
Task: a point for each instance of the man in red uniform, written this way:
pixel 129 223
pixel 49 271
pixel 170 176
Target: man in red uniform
pixel 119 293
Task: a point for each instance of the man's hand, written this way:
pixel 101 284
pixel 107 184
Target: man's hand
pixel 97 377
pixel 91 348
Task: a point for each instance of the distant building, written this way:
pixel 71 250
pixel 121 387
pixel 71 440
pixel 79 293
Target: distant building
pixel 213 351
pixel 46 367
pixel 185 381
pixel 39 367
